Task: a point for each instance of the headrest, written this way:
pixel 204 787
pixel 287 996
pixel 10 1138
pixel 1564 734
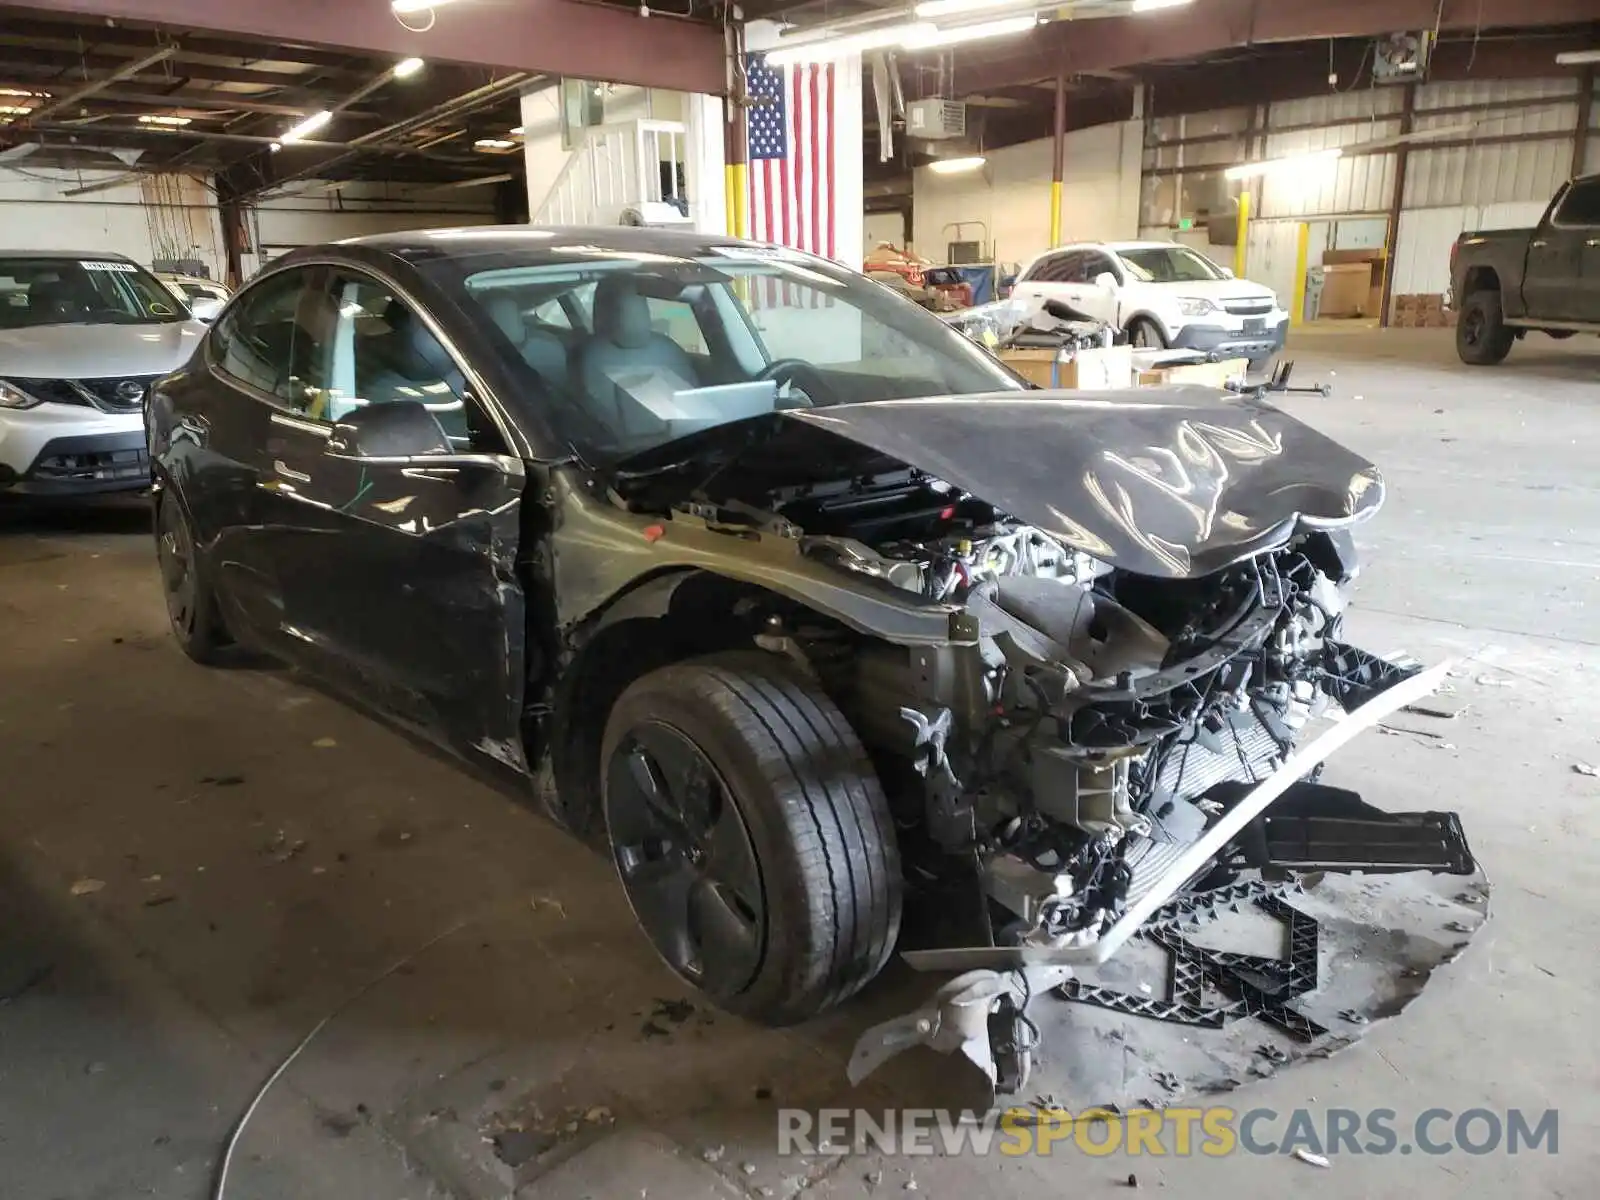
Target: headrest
pixel 621 315
pixel 507 314
pixel 420 353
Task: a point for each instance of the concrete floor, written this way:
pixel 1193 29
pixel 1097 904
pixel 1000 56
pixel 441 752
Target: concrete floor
pixel 263 855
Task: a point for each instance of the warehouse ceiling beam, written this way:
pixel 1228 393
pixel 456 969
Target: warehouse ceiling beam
pixel 72 98
pixel 197 102
pixel 458 106
pixel 591 41
pixel 139 35
pixel 1213 26
pixel 36 61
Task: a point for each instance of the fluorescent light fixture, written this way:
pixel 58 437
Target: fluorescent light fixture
pixel 407 67
pixel 162 119
pixel 7 91
pixel 310 125
pixel 930 10
pixel 15 110
pixel 1273 165
pixel 955 166
pixel 1007 26
pixel 1578 58
pixel 1140 6
pixel 494 144
pixel 827 48
pixel 416 6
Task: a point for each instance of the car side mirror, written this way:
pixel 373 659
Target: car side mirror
pixel 205 309
pixel 1227 272
pixel 1106 281
pixel 399 429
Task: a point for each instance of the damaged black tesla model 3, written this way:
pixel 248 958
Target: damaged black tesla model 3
pixel 797 599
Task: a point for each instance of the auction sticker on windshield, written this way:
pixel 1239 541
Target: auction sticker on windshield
pixel 109 266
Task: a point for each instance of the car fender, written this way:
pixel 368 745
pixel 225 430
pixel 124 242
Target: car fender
pixel 604 558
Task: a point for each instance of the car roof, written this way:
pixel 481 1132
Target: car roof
pixel 91 255
pixel 519 237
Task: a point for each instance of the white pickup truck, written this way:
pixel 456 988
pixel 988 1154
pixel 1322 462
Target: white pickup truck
pixel 1164 295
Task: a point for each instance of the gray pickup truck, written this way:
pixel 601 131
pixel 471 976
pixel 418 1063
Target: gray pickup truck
pixel 1508 281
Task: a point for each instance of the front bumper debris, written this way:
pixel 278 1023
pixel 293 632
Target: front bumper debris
pixel 1308 961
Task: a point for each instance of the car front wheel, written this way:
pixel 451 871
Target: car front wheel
pixel 191 605
pixel 751 835
pixel 1145 334
pixel 1482 336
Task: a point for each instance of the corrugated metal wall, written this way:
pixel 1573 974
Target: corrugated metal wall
pixel 1515 149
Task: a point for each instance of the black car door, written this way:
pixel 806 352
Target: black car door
pixel 398 573
pixel 1552 287
pixel 211 430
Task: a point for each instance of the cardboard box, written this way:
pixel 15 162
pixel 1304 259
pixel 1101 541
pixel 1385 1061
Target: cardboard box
pixel 1216 374
pixel 1346 290
pixel 1110 367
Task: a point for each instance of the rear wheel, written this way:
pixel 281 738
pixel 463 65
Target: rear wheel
pixel 751 835
pixel 1145 334
pixel 191 604
pixel 1482 336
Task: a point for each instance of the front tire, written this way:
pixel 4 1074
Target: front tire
pixel 1145 334
pixel 1482 336
pixel 191 604
pixel 751 835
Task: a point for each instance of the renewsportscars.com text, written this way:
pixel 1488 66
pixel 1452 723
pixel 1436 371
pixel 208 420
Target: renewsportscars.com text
pixel 1174 1132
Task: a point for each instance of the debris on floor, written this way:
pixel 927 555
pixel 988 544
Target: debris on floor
pixel 713 1153
pixel 1583 768
pixel 87 887
pixel 1491 681
pixel 324 743
pixel 1445 708
pixel 1316 1160
pixel 280 849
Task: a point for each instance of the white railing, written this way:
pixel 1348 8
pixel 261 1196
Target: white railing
pixel 617 167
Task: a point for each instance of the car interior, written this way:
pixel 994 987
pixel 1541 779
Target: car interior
pixel 637 358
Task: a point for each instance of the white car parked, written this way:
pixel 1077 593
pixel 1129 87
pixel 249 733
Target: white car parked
pixel 1165 296
pixel 82 338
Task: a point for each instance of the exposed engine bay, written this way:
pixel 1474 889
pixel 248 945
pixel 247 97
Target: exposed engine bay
pixel 1075 740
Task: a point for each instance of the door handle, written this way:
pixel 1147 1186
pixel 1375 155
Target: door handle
pixel 288 472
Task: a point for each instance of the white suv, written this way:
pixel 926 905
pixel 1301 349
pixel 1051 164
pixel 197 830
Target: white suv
pixel 1165 296
pixel 82 338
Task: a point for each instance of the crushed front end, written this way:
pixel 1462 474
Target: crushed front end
pixel 1142 604
pixel 1108 750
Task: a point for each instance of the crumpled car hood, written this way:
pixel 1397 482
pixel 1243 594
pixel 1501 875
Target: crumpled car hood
pixel 1172 482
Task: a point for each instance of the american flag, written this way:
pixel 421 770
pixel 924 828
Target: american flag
pixel 792 148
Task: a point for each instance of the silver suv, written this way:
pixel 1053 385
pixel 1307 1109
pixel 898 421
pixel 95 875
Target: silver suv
pixel 82 338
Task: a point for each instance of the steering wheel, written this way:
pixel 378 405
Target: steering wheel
pixel 798 373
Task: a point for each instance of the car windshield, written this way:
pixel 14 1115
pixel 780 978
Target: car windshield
pixel 1169 264
pixel 81 291
pixel 638 350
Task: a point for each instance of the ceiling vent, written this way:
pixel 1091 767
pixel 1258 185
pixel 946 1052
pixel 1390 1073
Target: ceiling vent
pixel 936 120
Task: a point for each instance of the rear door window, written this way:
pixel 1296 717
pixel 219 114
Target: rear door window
pixel 1581 208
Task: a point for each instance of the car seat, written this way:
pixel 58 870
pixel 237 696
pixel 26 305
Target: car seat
pixel 624 343
pixel 540 349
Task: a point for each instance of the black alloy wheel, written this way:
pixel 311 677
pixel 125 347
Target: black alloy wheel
pixel 751 834
pixel 686 859
pixel 1482 336
pixel 190 607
